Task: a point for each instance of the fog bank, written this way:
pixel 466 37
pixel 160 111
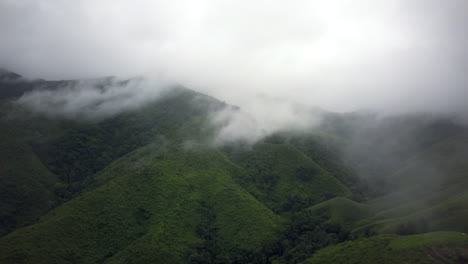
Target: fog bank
pixel 341 55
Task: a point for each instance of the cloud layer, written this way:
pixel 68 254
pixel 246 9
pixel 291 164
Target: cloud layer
pixel 93 99
pixel 342 55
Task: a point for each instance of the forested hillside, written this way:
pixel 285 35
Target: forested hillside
pixel 150 185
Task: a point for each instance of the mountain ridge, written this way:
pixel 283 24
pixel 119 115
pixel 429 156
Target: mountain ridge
pixel 147 184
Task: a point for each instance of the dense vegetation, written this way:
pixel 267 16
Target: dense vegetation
pixel 439 247
pixel 148 185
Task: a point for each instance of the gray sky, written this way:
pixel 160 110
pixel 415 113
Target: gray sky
pixel 343 55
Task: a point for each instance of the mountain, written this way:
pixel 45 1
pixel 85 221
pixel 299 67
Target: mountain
pixel 49 159
pixel 438 247
pixel 152 205
pixel 8 76
pixel 27 187
pixel 107 180
pixel 284 178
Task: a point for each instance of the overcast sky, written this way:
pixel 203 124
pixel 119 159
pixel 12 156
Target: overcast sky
pixel 402 55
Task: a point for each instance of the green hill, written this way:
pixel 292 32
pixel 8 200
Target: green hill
pixel 47 160
pixel 340 211
pixel 429 213
pixel 438 247
pixel 168 207
pixel 284 178
pixel 27 188
pixel 325 150
pixel 148 185
pixel 432 193
pixel 445 158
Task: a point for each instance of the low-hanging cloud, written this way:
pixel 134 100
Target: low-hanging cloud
pixel 93 99
pixel 341 55
pixel 262 118
pixel 277 60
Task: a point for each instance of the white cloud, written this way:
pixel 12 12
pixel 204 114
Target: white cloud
pixel 93 99
pixel 338 54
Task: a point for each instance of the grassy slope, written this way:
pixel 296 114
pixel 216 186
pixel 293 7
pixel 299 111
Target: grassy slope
pixel 425 214
pixel 323 149
pixel 377 147
pixel 73 150
pixel 340 211
pixel 88 146
pixel 148 208
pixel 282 177
pixel 446 158
pixel 26 186
pixel 432 195
pixel 178 203
pixel 437 247
pixel 422 204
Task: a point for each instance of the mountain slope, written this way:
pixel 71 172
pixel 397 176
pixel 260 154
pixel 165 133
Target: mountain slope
pixel 438 247
pixel 49 159
pixel 176 203
pixel 284 178
pixel 431 192
pixel 146 184
pixel 27 187
pixel 339 211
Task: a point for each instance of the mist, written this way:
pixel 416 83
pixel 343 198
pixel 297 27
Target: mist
pixel 342 55
pixel 283 64
pixel 267 116
pixel 92 100
pixel 372 93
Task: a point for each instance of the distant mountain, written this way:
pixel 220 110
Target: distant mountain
pixel 7 76
pixel 146 184
pixel 13 84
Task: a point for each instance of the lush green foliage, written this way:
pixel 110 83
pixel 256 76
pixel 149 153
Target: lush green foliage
pixel 439 247
pixel 340 211
pixel 148 186
pixel 157 208
pixel 284 178
pixel 37 147
pixel 26 186
pixel 87 147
